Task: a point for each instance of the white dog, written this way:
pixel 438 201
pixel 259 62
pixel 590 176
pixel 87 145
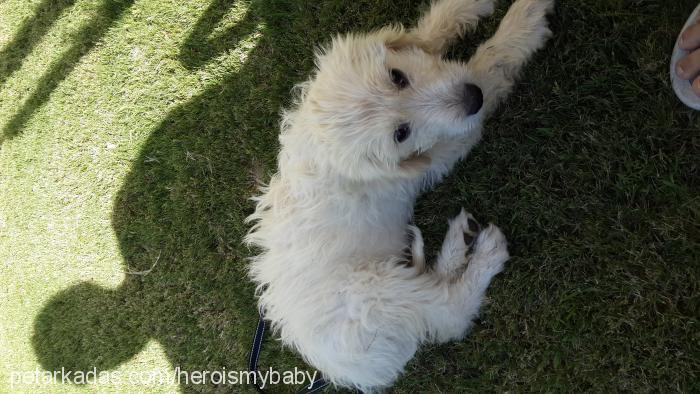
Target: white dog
pixel 383 118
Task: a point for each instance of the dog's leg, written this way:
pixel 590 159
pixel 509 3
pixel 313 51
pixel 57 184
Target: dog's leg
pixel 452 319
pixel 458 242
pixel 487 260
pixel 447 20
pixel 498 61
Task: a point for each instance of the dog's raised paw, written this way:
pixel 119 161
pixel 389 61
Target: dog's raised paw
pixel 537 8
pixel 529 18
pixel 484 8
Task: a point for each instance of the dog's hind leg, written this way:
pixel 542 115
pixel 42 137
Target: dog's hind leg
pixel 489 255
pixel 453 318
pixel 458 242
pixel 447 20
pixel 498 61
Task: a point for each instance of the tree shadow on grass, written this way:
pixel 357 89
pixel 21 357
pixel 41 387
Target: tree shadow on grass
pixel 202 45
pixel 179 217
pixel 107 14
pixel 28 35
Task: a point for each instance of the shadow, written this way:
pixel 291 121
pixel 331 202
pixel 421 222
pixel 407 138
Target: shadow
pixel 83 332
pixel 201 45
pixel 28 35
pixel 179 217
pixel 109 12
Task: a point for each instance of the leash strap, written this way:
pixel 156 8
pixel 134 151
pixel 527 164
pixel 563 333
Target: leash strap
pixel 255 351
pixel 316 386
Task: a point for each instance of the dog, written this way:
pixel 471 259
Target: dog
pixel 383 118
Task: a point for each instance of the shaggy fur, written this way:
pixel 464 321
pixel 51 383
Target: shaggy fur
pixel 332 224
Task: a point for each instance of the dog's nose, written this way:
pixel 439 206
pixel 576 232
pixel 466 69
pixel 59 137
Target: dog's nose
pixel 473 98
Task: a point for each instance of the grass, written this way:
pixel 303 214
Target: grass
pixel 130 129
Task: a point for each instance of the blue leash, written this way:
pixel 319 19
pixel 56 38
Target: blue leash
pixel 316 386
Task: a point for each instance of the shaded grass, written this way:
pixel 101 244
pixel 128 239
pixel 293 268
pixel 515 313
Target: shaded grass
pixel 142 155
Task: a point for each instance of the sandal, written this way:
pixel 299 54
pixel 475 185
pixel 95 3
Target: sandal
pixel 683 87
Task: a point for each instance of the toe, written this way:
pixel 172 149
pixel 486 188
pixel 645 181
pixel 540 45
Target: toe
pixel 696 86
pixel 689 66
pixel 690 38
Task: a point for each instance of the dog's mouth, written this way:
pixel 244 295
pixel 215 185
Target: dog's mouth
pixel 416 162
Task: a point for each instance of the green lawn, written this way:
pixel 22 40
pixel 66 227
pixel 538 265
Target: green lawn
pixel 130 132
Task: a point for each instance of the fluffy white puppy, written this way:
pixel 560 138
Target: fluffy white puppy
pixel 383 118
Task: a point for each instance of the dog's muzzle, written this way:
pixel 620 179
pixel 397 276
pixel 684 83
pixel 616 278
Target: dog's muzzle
pixel 473 98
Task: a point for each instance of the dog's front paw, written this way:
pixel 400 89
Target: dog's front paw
pixel 483 8
pixel 448 19
pixel 462 11
pixel 530 18
pixel 534 8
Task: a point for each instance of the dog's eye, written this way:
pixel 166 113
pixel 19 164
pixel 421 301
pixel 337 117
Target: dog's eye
pixel 402 133
pixel 399 78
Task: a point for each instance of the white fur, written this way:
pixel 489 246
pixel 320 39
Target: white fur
pixel 332 224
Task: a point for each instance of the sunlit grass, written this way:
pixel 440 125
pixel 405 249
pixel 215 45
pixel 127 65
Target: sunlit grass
pixel 59 175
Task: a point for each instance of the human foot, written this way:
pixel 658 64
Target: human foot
pixel 685 62
pixel 688 67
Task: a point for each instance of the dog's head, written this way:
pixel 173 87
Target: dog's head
pixel 380 102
